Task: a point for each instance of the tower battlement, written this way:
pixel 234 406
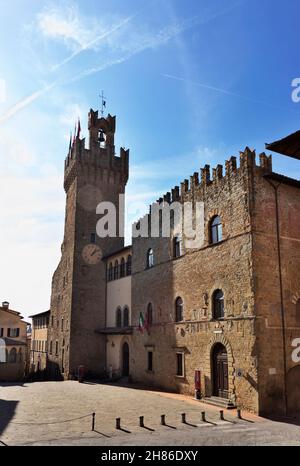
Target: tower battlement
pixel 99 159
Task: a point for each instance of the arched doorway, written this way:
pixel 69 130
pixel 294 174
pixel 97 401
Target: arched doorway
pixel 293 393
pixel 220 371
pixel 125 360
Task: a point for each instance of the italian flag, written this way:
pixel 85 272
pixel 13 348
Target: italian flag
pixel 141 323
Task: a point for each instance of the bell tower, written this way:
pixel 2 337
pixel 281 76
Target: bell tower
pixel 92 175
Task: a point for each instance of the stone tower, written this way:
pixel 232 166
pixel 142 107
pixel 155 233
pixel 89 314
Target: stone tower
pixel 91 176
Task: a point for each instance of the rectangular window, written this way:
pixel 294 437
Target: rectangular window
pixel 180 364
pixel 150 361
pixel 56 348
pixel 62 325
pixel 50 347
pixel 93 238
pixel 1 332
pixel 13 332
pixel 52 321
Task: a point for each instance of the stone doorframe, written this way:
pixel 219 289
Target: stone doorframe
pixel 207 368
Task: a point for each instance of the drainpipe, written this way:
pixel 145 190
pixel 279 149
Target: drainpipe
pixel 283 327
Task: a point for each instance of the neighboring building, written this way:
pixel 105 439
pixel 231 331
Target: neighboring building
pixel 118 312
pixel 13 345
pixel 39 341
pixel 225 313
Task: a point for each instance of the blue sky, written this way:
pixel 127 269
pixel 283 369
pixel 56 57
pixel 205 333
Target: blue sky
pixel 191 83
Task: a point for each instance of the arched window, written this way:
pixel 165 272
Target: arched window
pixel 126 317
pixel 128 265
pixel 298 311
pixel 178 310
pixel 177 246
pixel 216 230
pixel 20 356
pixel 116 270
pixel 110 272
pixel 150 259
pixel 13 355
pixel 218 304
pixel 122 268
pixel 118 318
pixel 150 314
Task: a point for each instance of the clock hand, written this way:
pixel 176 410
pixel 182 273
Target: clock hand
pixel 94 252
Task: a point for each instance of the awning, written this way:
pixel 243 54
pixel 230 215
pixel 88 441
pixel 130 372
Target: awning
pixel 289 146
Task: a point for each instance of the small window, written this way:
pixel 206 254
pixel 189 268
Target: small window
pixel 177 247
pixel 122 268
pixel 50 350
pixel 118 318
pixel 110 272
pixel 12 356
pixel 180 364
pixel 150 361
pixel 150 314
pixel 93 238
pixel 218 304
pixel 1 332
pixel 62 324
pixel 56 348
pixel 216 230
pixel 128 265
pixel 178 310
pixel 52 321
pixel 150 259
pixel 116 270
pixel 126 317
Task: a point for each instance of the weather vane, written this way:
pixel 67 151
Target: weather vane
pixel 103 103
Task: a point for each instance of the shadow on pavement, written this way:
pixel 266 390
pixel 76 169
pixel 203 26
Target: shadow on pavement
pixel 7 411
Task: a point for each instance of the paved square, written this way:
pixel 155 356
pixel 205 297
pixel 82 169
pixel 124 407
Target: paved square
pixel 59 413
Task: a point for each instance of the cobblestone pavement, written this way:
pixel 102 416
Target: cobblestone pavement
pixel 46 413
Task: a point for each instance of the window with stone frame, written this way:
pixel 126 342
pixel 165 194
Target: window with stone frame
pixel 150 314
pixel 128 265
pixel 180 364
pixel 150 361
pixel 116 270
pixel 218 305
pixel 178 310
pixel 110 272
pixel 122 268
pixel 119 317
pixel 150 259
pixel 126 317
pixel 216 232
pixel 177 247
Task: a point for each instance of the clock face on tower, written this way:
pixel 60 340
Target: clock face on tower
pixel 92 254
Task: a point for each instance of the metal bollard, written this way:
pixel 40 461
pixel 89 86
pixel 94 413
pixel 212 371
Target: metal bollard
pixel 118 423
pixel 203 416
pixel 222 416
pixel 163 420
pixel 93 421
pixel 142 421
pixel 183 418
pixel 239 414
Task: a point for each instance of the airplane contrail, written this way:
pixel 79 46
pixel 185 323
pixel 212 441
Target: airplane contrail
pixel 25 102
pixel 94 41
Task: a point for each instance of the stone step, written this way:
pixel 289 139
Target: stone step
pixel 221 402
